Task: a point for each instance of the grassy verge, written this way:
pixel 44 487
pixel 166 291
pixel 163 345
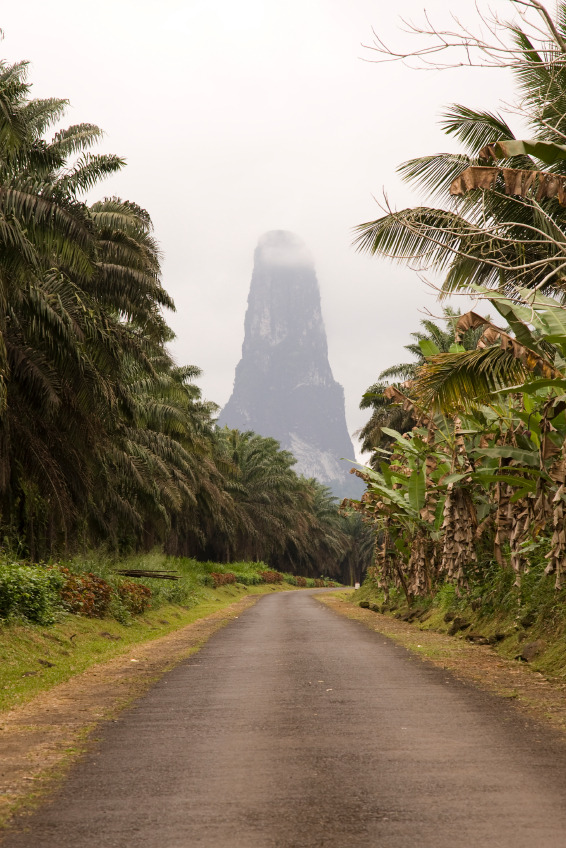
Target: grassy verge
pixel 526 623
pixel 543 700
pixel 58 619
pixel 33 658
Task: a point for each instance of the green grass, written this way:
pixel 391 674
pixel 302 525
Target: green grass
pixel 33 658
pixel 494 605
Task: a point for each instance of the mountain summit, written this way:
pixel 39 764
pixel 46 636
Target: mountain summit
pixel 284 386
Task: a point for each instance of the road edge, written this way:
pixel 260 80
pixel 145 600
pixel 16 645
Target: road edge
pixel 41 739
pixel 532 694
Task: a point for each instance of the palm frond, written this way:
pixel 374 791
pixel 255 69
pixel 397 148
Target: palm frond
pixel 451 382
pixel 475 129
pixel 434 174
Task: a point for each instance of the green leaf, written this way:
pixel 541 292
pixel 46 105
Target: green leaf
pixel 428 348
pixel 508 452
pixel 528 405
pixel 520 494
pixel 519 482
pixel 386 471
pixel 439 514
pixel 393 434
pixel 550 313
pixel 536 385
pixel 453 478
pixel 556 338
pixel 402 478
pixel 546 151
pixel 417 489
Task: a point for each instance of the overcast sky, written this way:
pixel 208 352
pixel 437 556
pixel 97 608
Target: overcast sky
pixel 241 116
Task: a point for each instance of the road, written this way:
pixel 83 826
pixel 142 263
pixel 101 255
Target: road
pixel 296 728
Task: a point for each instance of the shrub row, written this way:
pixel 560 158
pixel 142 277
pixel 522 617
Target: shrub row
pixel 310 582
pixel 37 593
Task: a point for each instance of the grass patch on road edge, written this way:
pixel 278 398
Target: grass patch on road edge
pixel 44 737
pixel 542 699
pixel 34 659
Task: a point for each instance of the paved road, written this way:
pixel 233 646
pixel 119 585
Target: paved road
pixel 297 728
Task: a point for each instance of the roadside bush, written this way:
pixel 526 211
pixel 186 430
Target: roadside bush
pixel 271 576
pixel 135 596
pixel 301 581
pixel 290 578
pixel 222 579
pixel 85 594
pixel 247 572
pixel 249 578
pixel 31 592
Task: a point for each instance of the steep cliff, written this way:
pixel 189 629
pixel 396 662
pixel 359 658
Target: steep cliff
pixel 284 386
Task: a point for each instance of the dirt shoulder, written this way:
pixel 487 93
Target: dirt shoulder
pixel 39 739
pixel 541 699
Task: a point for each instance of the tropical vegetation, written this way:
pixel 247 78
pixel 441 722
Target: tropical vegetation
pixel 470 476
pixel 104 439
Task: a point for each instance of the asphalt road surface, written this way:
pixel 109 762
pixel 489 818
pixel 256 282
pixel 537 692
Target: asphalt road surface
pixel 297 728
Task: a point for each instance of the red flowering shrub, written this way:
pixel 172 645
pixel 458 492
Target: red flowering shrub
pixel 301 581
pixel 319 584
pixel 271 576
pixel 86 594
pixel 222 579
pixel 135 596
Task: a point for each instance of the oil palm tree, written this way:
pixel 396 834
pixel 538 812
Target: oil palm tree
pixel 79 296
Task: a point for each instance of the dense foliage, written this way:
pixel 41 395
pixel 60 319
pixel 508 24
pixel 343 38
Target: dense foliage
pixel 476 477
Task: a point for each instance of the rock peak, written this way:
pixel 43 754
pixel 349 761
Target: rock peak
pixel 284 387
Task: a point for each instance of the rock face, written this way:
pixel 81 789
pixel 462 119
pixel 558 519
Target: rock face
pixel 284 386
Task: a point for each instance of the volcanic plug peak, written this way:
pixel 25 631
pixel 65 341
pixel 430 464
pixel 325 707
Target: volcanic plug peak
pixel 284 386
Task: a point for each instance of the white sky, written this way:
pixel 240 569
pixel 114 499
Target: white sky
pixel 240 117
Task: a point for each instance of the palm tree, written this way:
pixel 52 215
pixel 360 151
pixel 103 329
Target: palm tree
pixel 264 489
pixel 500 227
pixel 80 307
